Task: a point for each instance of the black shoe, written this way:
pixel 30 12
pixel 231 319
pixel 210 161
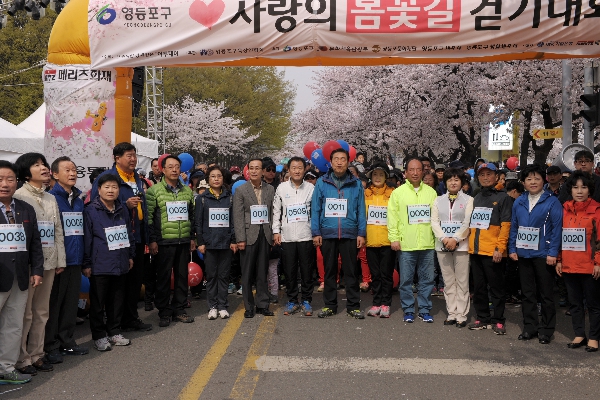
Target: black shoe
pixel 41 366
pixel 74 351
pixel 248 314
pixel 527 336
pixel 28 370
pixel 573 345
pixel 186 319
pixel 544 339
pixel 137 325
pixel 265 311
pixel 164 322
pixel 450 322
pixel 54 357
pixel 591 349
pixel 148 306
pixel 273 299
pixel 461 324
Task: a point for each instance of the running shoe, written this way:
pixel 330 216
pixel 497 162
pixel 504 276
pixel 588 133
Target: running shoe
pixel 426 317
pixel 499 329
pixel 385 312
pixel 291 308
pixel 223 314
pixel 478 325
pixel 409 317
pixel 231 288
pixel 307 309
pixel 321 287
pixel 326 312
pixel 102 344
pixel 119 340
pixel 374 311
pixel 14 378
pixel 358 314
pixel 364 287
pixel 212 314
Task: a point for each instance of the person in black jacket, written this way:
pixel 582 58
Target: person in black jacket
pixel 216 240
pixel 584 162
pixel 21 264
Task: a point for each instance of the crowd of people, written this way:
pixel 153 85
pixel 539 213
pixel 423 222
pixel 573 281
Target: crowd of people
pixel 489 239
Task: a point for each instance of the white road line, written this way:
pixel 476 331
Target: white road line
pixel 415 366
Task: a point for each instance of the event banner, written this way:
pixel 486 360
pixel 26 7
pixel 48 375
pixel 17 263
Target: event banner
pixel 80 116
pixel 178 32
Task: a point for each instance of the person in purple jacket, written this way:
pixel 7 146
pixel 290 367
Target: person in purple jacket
pixel 109 251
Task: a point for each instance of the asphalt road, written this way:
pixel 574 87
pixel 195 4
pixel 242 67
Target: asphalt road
pixel 296 357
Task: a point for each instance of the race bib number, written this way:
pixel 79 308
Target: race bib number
pixel 419 214
pixel 259 214
pixel 297 213
pixel 177 211
pixel 377 215
pixel 218 217
pixel 481 217
pixel 117 237
pixel 528 238
pixel 73 223
pixel 336 208
pixel 12 238
pixel 450 227
pixel 46 229
pixel 573 239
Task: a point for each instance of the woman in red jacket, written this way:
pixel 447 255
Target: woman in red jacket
pixel 579 263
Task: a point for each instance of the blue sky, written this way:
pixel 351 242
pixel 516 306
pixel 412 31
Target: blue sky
pixel 301 77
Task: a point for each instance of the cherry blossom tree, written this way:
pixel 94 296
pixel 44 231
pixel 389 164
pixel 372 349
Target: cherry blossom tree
pixel 201 127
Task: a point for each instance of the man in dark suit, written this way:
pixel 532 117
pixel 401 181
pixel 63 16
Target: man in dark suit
pixel 252 216
pixel 20 248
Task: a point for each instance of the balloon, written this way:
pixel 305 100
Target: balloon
pixel 194 274
pixel 160 160
pixel 512 163
pixel 200 255
pixel 187 161
pixel 319 160
pixel 396 279
pixel 328 148
pixel 309 147
pixel 285 160
pixel 236 185
pixel 344 145
pixel 279 168
pixel 246 174
pixel 85 284
pixel 352 152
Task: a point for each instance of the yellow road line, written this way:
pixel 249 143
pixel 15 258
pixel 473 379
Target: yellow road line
pixel 247 379
pixel 210 362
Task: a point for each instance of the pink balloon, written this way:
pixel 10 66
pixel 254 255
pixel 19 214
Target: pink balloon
pixel 160 160
pixel 246 174
pixel 512 163
pixel 352 153
pixel 309 147
pixel 194 274
pixel 329 147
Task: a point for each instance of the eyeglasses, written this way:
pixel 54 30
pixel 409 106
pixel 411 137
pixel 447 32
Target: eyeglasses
pixel 583 161
pixel 270 169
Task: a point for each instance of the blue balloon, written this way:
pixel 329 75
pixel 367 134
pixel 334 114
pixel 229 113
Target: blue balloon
pixel 200 255
pixel 236 185
pixel 319 160
pixel 187 161
pixel 279 168
pixel 85 284
pixel 471 172
pixel 344 145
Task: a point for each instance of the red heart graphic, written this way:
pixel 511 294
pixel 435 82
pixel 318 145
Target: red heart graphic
pixel 207 14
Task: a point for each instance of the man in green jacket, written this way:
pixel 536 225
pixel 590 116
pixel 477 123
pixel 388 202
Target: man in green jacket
pixel 409 230
pixel 170 222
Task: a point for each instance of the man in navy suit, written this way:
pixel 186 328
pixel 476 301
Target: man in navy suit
pixel 21 264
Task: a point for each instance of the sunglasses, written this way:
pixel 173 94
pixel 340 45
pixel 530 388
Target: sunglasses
pixel 270 169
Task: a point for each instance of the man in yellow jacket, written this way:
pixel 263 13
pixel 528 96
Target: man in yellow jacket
pixel 409 230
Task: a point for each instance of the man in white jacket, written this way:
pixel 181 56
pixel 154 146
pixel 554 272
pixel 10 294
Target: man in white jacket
pixel 291 229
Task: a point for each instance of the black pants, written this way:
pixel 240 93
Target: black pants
pixel 175 258
pixel 381 263
pixel 346 248
pixel 133 286
pixel 487 272
pixel 107 293
pixel 299 255
pixel 216 266
pixel 255 265
pixel 149 277
pixel 63 309
pixel 537 277
pixel 580 287
pixel 512 279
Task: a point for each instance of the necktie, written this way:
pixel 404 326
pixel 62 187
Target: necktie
pixel 11 217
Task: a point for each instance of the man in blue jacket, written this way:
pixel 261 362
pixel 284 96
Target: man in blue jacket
pixel 65 289
pixel 339 226
pixel 131 196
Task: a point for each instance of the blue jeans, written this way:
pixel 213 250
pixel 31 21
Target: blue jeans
pixel 422 262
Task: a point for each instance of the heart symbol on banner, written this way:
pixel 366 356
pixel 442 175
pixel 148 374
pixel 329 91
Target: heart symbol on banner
pixel 207 14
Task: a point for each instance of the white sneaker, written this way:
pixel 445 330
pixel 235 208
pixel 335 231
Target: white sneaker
pixel 239 291
pixel 212 313
pixel 223 314
pixel 119 340
pixel 102 344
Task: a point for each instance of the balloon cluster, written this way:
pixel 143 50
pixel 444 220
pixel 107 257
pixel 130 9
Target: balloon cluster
pixel 187 163
pixel 320 156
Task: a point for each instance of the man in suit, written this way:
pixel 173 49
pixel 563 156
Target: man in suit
pixel 252 216
pixel 20 248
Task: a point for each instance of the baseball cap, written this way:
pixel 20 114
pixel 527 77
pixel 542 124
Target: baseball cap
pixel 311 175
pixel 381 167
pixel 439 166
pixel 235 169
pixel 554 169
pixel 456 164
pixel 489 166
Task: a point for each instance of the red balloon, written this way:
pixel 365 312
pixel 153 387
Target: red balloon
pixel 160 160
pixel 396 279
pixel 309 147
pixel 352 153
pixel 329 147
pixel 194 274
pixel 512 163
pixel 246 174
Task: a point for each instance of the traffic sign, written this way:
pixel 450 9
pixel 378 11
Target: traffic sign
pixel 548 133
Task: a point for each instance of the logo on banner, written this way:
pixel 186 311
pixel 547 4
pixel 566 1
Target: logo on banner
pixel 106 15
pixel 207 14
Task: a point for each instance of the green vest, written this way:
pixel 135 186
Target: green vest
pixel 161 230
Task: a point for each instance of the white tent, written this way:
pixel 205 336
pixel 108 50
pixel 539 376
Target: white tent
pixel 15 141
pixel 35 126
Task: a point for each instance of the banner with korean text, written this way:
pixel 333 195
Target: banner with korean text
pixel 333 32
pixel 80 116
